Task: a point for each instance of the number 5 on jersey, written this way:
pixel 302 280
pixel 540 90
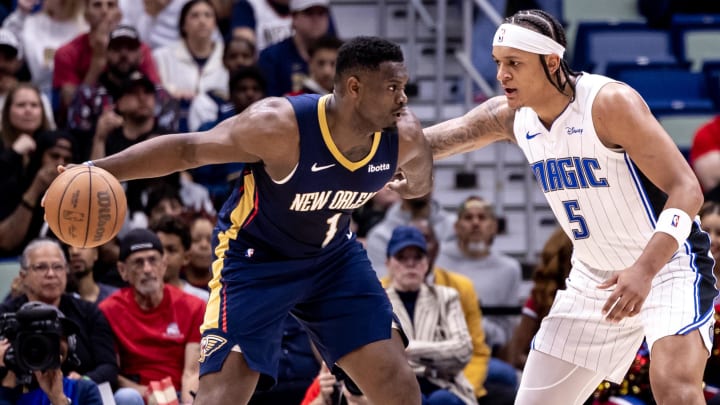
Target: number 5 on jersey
pixel 571 209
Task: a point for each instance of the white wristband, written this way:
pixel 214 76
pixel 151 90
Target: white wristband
pixel 676 223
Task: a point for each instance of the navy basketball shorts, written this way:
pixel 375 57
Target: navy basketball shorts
pixel 337 297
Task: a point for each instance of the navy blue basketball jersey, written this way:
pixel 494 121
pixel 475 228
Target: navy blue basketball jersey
pixel 308 212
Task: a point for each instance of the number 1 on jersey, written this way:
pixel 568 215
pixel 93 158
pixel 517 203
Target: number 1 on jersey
pixel 571 206
pixel 332 228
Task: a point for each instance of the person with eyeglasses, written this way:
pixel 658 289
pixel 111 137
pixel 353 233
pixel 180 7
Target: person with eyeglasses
pixel 43 277
pixel 156 325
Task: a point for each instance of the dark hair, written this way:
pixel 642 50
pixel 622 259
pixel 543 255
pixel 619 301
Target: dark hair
pixel 186 10
pixel 46 140
pixel 159 192
pixel 192 216
pixel 330 42
pixel 545 24
pixel 241 40
pixel 173 226
pixel 365 53
pixel 247 72
pixel 9 133
pixel 710 207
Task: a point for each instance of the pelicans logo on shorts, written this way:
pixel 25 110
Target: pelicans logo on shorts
pixel 209 345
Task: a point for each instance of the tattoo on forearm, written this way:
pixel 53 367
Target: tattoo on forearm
pixel 488 122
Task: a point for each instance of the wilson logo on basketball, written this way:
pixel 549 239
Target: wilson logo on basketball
pixel 104 215
pixel 73 216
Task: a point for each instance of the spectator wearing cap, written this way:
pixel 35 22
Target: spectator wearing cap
pixel 43 276
pixel 433 320
pixel 125 57
pixel 285 64
pixel 53 387
pixel 85 58
pixel 11 71
pixel 131 121
pixel 193 65
pixel 265 22
pixel 157 326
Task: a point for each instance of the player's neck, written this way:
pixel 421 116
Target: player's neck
pixel 552 108
pixel 348 132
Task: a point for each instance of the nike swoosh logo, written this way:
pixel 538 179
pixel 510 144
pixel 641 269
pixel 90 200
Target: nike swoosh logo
pixel 316 168
pixel 528 135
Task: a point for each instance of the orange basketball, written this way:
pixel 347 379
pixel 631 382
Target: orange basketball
pixel 85 206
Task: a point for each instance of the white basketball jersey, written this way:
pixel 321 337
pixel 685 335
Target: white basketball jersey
pixel 270 28
pixel 600 198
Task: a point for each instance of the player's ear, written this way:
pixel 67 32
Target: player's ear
pixel 352 85
pixel 553 63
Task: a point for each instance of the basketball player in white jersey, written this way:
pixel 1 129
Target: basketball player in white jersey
pixel 625 195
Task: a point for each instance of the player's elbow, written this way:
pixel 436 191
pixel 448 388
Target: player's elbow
pixel 694 194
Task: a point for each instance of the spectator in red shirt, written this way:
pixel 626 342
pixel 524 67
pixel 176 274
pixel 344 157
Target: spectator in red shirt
pixel 705 158
pixel 156 326
pixel 84 59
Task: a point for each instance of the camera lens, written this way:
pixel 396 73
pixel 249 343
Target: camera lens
pixel 38 352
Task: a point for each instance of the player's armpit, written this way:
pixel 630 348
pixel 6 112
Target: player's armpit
pixel 489 122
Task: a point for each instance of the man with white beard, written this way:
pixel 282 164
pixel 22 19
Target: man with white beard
pixel 496 277
pixel 156 325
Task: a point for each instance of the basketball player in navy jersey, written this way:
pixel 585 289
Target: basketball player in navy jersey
pixel 626 197
pixel 283 243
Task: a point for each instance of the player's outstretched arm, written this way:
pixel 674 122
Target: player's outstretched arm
pixel 488 122
pixel 258 133
pixel 415 162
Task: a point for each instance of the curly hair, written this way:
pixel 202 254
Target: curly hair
pixel 365 53
pixel 551 271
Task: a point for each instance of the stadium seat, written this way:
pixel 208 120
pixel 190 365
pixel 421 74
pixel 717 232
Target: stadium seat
pixel 695 38
pixel 615 69
pixel 670 91
pixel 600 43
pixel 711 70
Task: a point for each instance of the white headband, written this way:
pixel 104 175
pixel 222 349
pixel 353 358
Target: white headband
pixel 515 36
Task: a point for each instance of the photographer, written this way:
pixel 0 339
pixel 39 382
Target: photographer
pixel 47 386
pixel 43 276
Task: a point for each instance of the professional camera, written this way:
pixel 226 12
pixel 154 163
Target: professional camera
pixel 34 332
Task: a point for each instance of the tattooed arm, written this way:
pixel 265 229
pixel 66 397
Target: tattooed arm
pixel 489 122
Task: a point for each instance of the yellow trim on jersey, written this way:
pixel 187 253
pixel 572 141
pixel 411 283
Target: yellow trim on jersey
pixel 238 216
pixel 325 130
